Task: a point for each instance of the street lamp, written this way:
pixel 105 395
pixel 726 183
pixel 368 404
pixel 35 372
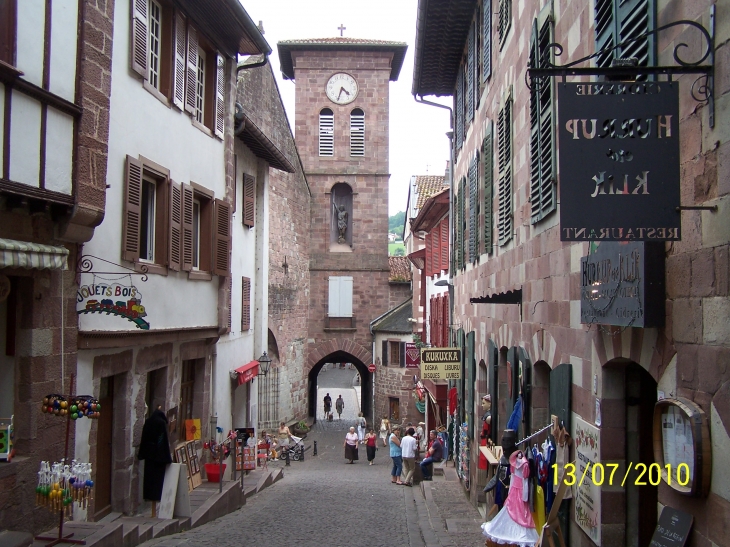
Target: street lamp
pixel 264 364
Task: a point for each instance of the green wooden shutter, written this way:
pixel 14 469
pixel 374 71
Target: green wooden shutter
pixel 542 127
pixel 487 40
pixel 402 354
pixel 620 20
pixel 385 353
pixel 561 388
pixel 487 195
pixel 470 372
pixel 505 20
pixel 504 138
pixel 473 209
pixel 459 107
pixel 493 356
pixel 470 75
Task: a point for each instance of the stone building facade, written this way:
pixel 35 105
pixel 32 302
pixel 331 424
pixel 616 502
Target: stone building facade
pixel 506 238
pixel 343 142
pixel 51 199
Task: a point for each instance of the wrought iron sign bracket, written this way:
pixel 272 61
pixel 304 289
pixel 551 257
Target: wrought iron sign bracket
pixel 86 265
pixel 702 88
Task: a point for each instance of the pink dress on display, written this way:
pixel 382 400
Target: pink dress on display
pixel 514 524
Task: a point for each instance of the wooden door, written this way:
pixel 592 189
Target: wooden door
pixel 103 483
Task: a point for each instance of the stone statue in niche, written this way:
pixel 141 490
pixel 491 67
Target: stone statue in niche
pixel 341 214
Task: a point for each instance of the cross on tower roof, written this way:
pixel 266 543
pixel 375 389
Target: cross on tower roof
pixel 342 28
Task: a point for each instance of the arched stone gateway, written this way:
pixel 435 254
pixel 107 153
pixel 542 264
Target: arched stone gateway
pixel 340 351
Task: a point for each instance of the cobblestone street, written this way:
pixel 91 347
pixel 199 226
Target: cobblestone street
pixel 325 501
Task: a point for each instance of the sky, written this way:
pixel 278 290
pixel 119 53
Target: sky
pixel 418 142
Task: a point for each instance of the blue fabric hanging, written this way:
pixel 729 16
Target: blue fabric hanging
pixel 514 419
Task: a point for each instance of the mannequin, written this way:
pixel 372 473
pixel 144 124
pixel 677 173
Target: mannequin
pixel 485 437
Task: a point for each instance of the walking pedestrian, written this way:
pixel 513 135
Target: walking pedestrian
pixel 395 455
pixel 351 445
pixel 384 430
pixel 434 454
pixel 362 425
pixel 327 406
pixel 339 405
pixel 370 441
pixel 408 452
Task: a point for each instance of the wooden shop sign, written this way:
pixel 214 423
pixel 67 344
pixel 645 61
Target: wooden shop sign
pixel 622 284
pixel 441 363
pixel 619 161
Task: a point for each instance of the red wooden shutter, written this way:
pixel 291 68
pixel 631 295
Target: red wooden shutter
pixel 245 303
pixel 445 313
pixel 445 244
pixel 220 92
pixel 178 90
pixel 429 256
pixel 432 321
pixel 138 40
pixel 132 210
pixel 192 69
pixel 187 227
pixel 222 238
pixel 175 235
pixel 436 242
pixel 249 200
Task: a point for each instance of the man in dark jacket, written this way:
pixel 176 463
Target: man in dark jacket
pixel 154 449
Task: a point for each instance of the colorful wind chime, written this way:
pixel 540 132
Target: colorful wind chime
pixel 60 485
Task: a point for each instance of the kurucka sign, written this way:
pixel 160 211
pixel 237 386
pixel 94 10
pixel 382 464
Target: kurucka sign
pixel 441 363
pixel 619 161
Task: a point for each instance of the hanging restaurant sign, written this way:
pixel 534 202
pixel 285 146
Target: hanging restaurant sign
pixel 440 363
pixel 112 299
pixel 622 283
pixel 619 161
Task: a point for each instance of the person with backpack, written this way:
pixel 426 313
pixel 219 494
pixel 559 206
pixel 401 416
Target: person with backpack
pixel 361 426
pixel 434 454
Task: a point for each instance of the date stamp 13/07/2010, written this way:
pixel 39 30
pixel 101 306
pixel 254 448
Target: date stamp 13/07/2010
pixel 605 473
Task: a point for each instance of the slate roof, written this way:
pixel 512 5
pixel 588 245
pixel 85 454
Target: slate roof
pixel 426 186
pixel 395 320
pixel 340 43
pixel 441 31
pixel 400 269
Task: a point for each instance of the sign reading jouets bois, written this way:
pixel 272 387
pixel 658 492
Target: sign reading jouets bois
pixel 112 299
pixel 440 363
pixel 619 161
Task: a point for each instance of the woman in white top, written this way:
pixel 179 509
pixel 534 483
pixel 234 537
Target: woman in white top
pixel 351 445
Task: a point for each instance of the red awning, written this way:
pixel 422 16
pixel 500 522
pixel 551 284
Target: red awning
pixel 247 372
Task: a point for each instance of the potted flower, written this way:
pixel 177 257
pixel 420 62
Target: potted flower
pixel 301 429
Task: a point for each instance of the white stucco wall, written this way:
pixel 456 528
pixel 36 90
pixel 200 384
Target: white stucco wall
pixel 140 124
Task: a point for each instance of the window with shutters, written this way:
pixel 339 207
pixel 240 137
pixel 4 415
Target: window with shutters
pixel 488 188
pixel 505 21
pixel 7 31
pixel 444 245
pixel 326 132
pixel 462 224
pixel 245 303
pixel 504 144
pixel 394 353
pixel 177 63
pixel 486 40
pixel 474 209
pixel 542 126
pixel 202 226
pixel 617 21
pixel 249 200
pixel 357 132
pixel 470 47
pixel 146 231
pixel 340 296
pixel 459 110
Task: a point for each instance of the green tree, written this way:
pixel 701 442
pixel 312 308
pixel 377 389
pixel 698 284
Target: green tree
pixel 396 222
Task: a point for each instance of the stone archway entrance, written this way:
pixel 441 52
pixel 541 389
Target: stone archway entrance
pixel 337 357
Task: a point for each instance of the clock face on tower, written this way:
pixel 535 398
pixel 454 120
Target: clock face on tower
pixel 341 88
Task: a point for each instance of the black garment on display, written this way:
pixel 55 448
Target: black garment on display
pixel 154 449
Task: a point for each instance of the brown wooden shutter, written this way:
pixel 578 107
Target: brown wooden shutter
pixel 245 303
pixel 220 92
pixel 192 69
pixel 230 303
pixel 175 235
pixel 178 89
pixel 138 40
pixel 187 227
pixel 385 353
pixel 249 200
pixel 222 238
pixel 402 354
pixel 132 210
